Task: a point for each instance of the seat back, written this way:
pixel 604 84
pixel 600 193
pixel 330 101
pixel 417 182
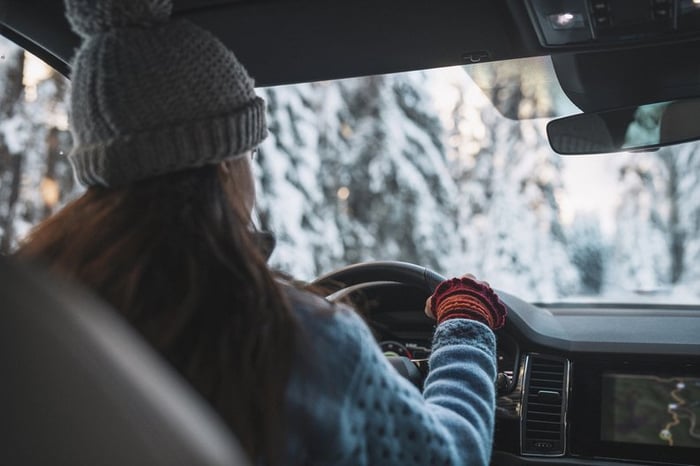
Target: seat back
pixel 79 386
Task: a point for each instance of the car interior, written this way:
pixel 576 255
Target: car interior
pixel 79 386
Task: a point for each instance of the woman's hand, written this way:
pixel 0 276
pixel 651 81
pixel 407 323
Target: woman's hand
pixel 429 312
pixel 466 298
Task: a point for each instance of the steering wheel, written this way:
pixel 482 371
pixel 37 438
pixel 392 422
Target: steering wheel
pixel 352 277
pixel 355 278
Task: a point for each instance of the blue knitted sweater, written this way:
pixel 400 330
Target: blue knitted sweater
pixel 348 406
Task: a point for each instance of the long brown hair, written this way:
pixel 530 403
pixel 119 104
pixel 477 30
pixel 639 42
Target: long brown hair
pixel 174 257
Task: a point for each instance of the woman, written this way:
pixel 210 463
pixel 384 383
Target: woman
pixel 164 120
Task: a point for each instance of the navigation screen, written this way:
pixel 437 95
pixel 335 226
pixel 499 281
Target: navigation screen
pixel 651 410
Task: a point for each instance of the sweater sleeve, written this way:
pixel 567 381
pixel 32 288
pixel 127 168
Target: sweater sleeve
pixel 389 422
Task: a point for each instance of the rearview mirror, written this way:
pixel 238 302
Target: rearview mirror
pixel 627 129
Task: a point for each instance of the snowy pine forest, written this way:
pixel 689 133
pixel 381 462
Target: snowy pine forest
pixel 419 167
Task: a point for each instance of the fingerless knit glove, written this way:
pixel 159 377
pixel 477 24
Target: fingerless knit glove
pixel 464 298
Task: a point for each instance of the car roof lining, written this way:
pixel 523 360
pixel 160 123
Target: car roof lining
pixel 291 41
pixel 294 41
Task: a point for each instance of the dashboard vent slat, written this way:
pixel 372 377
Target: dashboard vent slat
pixel 543 427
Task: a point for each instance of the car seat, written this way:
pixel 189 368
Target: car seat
pixel 79 386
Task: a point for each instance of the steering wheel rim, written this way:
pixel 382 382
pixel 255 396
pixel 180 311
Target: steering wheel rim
pixel 358 277
pixel 381 271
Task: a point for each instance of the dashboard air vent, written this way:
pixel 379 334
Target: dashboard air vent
pixel 544 405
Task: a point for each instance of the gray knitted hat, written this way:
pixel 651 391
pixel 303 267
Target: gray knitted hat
pixel 152 95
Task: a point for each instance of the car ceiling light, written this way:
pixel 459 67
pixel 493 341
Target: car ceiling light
pixel 564 19
pixel 567 20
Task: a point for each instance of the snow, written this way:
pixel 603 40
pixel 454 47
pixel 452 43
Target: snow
pixel 13 132
pixel 421 167
pixel 28 121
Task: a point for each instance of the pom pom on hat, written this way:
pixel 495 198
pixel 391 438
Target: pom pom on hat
pixel 90 17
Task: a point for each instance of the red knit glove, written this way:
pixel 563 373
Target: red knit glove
pixel 464 298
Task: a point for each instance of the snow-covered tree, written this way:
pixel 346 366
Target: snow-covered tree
pixel 35 177
pixel 11 141
pixel 641 244
pixel 509 182
pixel 685 215
pixel 371 145
pixel 421 167
pixel 588 251
pixel 290 200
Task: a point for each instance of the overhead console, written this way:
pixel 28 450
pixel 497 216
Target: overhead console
pixel 566 23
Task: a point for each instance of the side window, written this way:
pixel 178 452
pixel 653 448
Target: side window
pixel 35 176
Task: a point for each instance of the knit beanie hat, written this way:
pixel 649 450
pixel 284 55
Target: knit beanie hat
pixel 151 95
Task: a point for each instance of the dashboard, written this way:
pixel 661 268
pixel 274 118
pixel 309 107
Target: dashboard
pixel 577 384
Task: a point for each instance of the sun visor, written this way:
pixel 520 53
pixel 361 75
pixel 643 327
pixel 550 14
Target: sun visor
pixel 625 77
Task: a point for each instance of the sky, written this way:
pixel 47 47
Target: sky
pixel 589 182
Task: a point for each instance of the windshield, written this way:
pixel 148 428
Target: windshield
pixel 421 167
pixel 424 167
